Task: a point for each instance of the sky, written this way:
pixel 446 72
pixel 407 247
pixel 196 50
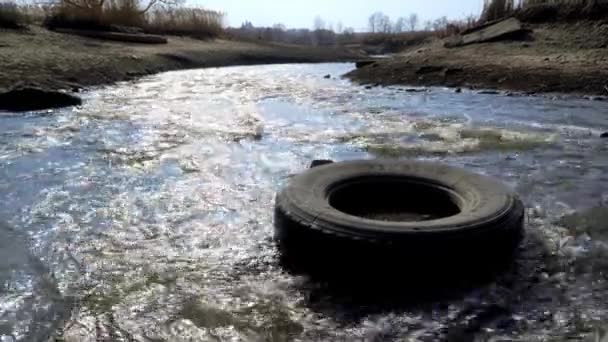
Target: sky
pixel 352 13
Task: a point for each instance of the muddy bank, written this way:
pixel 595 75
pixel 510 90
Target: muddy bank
pixel 50 60
pixel 567 58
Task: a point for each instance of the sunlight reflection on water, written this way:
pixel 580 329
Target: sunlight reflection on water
pixel 147 213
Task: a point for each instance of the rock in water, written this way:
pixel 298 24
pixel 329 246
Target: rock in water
pixel 25 99
pixel 604 135
pixel 327 76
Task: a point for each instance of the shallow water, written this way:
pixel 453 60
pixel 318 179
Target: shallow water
pixel 147 214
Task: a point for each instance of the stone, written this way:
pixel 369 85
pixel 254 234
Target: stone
pixel 327 76
pixel 510 28
pixel 26 99
pixel 458 90
pixel 362 64
pixel 604 135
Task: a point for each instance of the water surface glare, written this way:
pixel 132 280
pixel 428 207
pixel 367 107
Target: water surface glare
pixel 146 214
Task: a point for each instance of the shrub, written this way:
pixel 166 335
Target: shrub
pixel 194 22
pixel 545 10
pixel 394 42
pixel 11 16
pixel 102 15
pixel 496 9
pixel 132 16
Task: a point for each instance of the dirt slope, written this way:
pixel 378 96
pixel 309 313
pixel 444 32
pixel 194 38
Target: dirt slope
pixel 570 58
pixel 56 61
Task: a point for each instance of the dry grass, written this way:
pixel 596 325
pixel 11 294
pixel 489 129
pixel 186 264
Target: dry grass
pixel 545 10
pixel 496 9
pixel 194 22
pixel 81 14
pixel 131 15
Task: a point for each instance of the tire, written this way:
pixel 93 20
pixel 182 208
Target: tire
pixel 323 221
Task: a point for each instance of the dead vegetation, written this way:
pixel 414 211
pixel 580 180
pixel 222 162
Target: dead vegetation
pixel 545 10
pixel 130 16
pixel 193 22
pixel 11 16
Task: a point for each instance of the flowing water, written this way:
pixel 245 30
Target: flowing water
pixel 146 214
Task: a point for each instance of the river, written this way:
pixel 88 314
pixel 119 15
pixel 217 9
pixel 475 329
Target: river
pixel 146 214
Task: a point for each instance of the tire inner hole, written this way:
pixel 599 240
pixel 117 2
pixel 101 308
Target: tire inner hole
pixel 397 199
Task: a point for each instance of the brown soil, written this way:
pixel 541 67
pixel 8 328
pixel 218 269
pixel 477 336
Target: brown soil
pixel 566 58
pixel 51 60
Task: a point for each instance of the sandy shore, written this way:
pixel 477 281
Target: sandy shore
pixel 564 58
pixel 53 60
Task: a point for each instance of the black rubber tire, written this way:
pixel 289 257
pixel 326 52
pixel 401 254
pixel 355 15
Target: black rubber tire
pixel 310 232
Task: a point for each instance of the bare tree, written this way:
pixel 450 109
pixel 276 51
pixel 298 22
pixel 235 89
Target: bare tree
pixel 279 27
pixel 412 21
pixel 496 9
pixel 372 21
pixel 440 23
pixel 278 32
pixel 379 22
pixel 428 25
pixel 153 3
pixel 399 25
pixel 386 25
pixel 339 27
pixel 319 23
pixel 96 7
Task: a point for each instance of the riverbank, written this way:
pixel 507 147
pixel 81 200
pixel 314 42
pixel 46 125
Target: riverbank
pixel 50 60
pixel 564 58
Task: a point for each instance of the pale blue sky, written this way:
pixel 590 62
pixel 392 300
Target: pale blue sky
pixel 353 13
